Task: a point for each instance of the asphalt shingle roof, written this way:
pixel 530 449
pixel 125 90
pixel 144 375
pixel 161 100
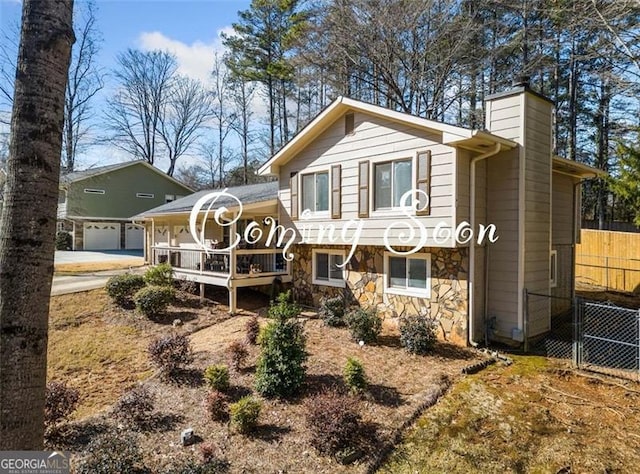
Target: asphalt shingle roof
pixel 247 194
pixel 78 175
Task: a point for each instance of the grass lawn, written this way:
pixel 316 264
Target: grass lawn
pixel 535 416
pixel 101 349
pixel 86 267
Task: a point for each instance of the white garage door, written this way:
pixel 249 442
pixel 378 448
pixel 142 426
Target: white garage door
pixel 102 236
pixel 134 237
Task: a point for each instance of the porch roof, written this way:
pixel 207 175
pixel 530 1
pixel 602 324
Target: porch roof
pixel 247 194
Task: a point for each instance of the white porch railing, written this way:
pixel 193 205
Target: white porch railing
pixel 239 263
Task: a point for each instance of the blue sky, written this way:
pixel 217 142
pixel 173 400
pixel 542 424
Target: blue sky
pixel 189 29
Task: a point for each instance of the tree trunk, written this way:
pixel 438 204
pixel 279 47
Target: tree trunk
pixel 29 219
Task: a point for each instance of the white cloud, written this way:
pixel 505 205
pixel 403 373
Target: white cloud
pixel 195 60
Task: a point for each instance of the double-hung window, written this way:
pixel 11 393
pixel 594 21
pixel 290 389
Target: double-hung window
pixel 315 191
pixel 392 180
pixel 408 275
pixel 326 267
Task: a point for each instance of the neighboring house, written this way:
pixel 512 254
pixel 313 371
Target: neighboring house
pixel 352 164
pixel 96 205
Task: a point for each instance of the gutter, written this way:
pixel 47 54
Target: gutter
pixel 472 250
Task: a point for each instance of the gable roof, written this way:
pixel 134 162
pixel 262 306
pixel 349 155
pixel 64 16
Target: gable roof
pixel 76 176
pixel 247 194
pixel 475 140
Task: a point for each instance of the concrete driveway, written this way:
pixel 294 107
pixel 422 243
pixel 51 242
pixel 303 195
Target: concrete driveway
pixel 81 256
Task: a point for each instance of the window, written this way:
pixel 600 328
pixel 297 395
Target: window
pixel 93 191
pixel 325 267
pixel 409 276
pixel 553 269
pixel 315 192
pixel 392 180
pixel 349 124
pixel 145 195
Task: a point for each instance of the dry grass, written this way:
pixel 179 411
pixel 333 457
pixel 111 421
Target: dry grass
pixel 85 267
pixel 535 416
pixel 102 349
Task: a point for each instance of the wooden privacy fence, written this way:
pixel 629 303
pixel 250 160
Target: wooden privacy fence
pixel 609 260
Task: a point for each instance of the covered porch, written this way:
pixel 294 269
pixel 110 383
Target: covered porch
pixel 254 260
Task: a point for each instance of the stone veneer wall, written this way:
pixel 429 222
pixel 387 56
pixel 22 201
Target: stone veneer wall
pixel 365 286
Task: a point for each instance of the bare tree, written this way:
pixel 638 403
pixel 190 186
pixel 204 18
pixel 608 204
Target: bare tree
pixel 181 123
pixel 85 81
pixel 135 112
pixel 243 94
pixel 28 220
pixel 223 116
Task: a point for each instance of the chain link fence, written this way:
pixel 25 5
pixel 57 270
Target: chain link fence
pixel 607 339
pixel 596 336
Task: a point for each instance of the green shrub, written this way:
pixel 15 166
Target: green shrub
pixel 121 288
pixel 217 377
pixel 159 275
pixel 112 452
pixel 60 402
pixel 170 353
pixel 216 404
pixel 332 311
pixel 252 329
pixel 283 308
pixel 134 406
pixel 364 324
pixel 153 300
pixel 333 420
pixel 280 370
pixel 245 413
pixel 417 334
pixel 64 241
pixel 237 354
pixel 354 375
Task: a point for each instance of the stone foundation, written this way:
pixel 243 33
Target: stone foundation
pixel 365 286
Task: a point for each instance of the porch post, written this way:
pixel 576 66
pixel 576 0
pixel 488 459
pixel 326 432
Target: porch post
pixel 232 300
pixel 201 293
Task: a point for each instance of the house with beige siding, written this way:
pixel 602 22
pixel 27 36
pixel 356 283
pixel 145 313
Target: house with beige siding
pixel 414 216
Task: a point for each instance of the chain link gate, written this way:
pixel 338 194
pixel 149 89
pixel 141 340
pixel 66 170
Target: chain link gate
pixel 607 339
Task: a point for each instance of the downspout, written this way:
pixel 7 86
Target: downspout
pixel 472 247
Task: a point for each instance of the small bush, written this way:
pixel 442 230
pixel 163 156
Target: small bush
pixel 64 241
pixel 332 311
pixel 283 309
pixel 112 452
pixel 237 354
pixel 192 466
pixel 121 288
pixel 159 275
pixel 364 324
pixel 280 369
pixel 417 334
pixel 153 300
pixel 170 353
pixel 60 402
pixel 245 413
pixel 135 406
pixel 333 420
pixel 354 375
pixel 252 329
pixel 216 404
pixel 217 377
